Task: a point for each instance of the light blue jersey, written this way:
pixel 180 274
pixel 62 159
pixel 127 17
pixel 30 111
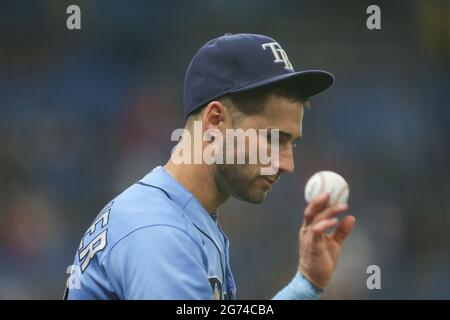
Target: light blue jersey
pixel 156 241
pixel 153 241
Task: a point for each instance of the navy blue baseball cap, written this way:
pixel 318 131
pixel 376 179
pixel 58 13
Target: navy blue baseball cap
pixel 238 62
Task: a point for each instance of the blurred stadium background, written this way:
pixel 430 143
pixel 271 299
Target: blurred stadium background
pixel 84 114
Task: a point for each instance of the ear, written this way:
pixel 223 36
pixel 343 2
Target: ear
pixel 215 113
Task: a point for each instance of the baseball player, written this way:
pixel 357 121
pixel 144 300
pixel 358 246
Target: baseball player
pixel 161 238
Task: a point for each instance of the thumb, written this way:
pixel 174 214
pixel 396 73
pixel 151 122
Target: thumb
pixel 343 229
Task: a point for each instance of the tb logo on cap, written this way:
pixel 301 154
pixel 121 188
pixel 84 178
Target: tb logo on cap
pixel 279 54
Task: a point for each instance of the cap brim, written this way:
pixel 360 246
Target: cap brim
pixel 309 82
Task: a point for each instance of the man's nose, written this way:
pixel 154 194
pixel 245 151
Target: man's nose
pixel 286 160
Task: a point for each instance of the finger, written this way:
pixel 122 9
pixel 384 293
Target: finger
pixel 344 229
pixel 315 206
pixel 330 212
pixel 320 227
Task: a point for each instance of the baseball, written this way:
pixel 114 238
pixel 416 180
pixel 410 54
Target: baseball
pixel 327 181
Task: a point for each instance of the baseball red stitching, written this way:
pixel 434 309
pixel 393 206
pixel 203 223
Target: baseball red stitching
pixel 340 194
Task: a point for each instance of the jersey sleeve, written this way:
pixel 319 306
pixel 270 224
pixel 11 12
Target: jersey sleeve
pixel 299 289
pixel 158 262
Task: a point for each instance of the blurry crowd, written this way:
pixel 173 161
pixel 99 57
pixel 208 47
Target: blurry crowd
pixel 84 114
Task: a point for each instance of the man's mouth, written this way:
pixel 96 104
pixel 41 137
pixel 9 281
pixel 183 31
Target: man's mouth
pixel 269 181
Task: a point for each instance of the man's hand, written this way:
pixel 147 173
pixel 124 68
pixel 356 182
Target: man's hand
pixel 319 252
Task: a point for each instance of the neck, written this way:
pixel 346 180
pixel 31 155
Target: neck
pixel 199 179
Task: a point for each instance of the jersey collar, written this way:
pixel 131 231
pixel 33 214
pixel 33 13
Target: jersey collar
pixel 193 209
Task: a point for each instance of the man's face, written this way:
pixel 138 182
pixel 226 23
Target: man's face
pixel 245 181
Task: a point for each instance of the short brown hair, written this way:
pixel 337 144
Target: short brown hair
pixel 252 101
